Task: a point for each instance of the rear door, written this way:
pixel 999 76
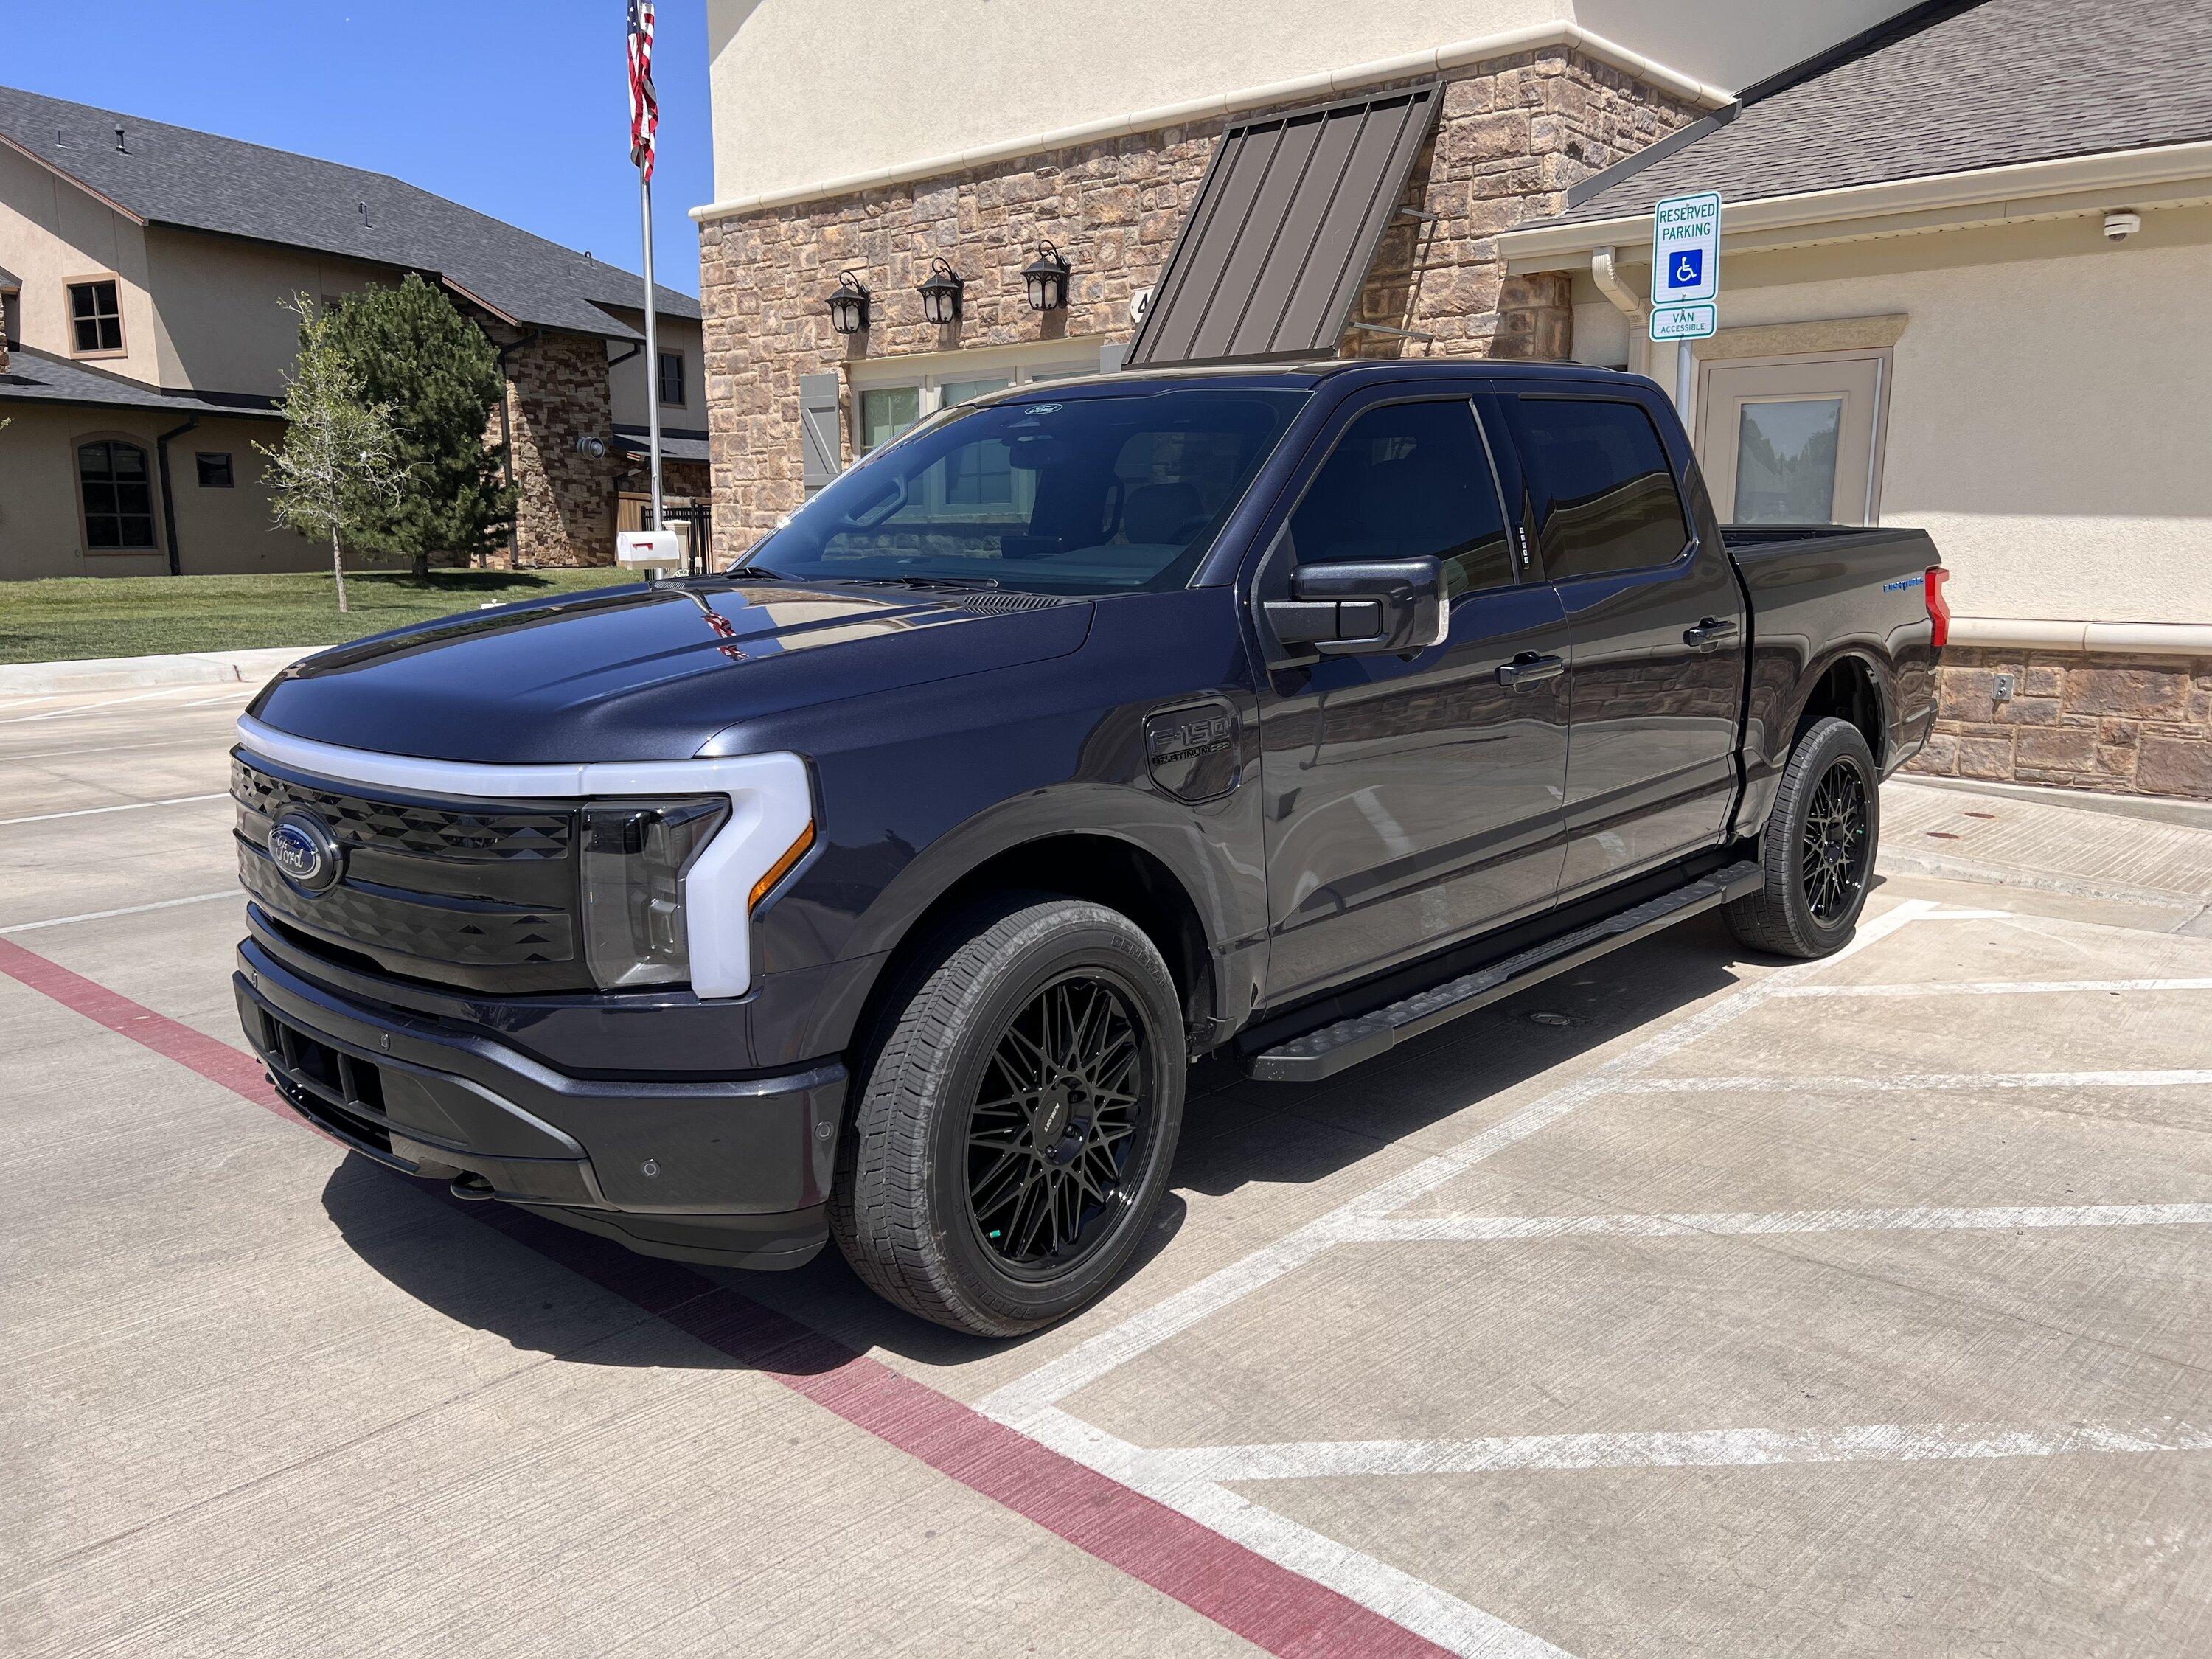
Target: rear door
pixel 1410 801
pixel 1655 627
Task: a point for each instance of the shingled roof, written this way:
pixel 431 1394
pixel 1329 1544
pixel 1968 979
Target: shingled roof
pixel 1945 89
pixel 40 377
pixel 170 175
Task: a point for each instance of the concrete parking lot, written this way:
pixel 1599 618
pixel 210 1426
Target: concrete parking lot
pixel 1691 1303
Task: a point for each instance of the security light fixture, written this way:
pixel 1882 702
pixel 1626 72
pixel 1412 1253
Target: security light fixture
pixel 940 292
pixel 1046 278
pixel 848 304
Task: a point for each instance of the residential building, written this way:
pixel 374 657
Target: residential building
pixel 1925 315
pixel 144 270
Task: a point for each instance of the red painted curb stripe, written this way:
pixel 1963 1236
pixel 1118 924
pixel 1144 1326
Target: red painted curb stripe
pixel 1243 1592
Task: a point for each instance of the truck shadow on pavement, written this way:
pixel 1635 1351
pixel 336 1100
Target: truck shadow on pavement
pixel 1236 1134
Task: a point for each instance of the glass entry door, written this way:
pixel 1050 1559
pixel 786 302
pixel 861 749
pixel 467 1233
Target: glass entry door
pixel 1793 441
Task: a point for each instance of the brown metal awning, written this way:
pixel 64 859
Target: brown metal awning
pixel 1270 262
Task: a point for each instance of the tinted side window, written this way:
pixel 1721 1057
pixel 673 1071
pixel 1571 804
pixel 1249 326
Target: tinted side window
pixel 1407 481
pixel 1604 493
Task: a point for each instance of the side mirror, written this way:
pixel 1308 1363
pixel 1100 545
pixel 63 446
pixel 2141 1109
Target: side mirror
pixel 1388 606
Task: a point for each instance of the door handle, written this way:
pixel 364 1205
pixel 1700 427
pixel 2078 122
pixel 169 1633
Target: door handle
pixel 1528 668
pixel 1710 635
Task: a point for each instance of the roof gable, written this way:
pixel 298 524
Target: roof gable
pixel 1989 85
pixel 201 181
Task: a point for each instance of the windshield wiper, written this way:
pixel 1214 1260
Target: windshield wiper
pixel 755 572
pixel 921 582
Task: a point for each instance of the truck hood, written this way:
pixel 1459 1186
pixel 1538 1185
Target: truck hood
pixel 650 673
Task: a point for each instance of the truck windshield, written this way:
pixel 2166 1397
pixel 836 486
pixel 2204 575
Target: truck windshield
pixel 1088 495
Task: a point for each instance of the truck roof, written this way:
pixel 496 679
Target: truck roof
pixel 1305 376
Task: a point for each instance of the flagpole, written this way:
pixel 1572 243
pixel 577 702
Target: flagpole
pixel 651 358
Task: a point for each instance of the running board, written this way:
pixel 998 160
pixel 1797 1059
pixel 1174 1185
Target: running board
pixel 1328 1049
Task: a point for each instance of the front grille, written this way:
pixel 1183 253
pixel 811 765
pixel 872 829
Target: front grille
pixel 457 932
pixel 433 830
pixel 343 1094
pixel 482 895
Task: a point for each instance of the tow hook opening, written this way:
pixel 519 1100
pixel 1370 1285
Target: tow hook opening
pixel 471 1187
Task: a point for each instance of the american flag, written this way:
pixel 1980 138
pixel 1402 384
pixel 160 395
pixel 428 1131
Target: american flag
pixel 644 108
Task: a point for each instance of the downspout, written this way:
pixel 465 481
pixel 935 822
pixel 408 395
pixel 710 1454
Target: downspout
pixel 1605 273
pixel 169 496
pixel 506 436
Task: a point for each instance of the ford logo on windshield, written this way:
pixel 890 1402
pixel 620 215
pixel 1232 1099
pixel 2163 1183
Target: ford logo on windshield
pixel 300 845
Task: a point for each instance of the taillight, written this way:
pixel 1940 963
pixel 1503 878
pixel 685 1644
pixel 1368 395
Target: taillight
pixel 1939 608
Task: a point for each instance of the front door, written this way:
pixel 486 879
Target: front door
pixel 1412 802
pixel 1657 631
pixel 1792 440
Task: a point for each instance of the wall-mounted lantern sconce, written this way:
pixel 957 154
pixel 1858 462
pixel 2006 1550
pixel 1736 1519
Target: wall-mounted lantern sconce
pixel 1046 278
pixel 848 305
pixel 940 292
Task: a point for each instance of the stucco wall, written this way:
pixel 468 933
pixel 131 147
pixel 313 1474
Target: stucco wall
pixel 2047 418
pixel 627 383
pixel 805 92
pixel 222 321
pixel 51 232
pixel 222 532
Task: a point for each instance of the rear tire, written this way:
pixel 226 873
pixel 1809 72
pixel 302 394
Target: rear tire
pixel 1819 847
pixel 1012 1138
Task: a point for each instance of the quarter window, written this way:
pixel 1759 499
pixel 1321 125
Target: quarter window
pixel 1408 481
pixel 1604 495
pixel 95 317
pixel 119 496
pixel 671 378
pixel 215 470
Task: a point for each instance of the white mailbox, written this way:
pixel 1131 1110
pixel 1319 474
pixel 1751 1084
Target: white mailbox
pixel 650 550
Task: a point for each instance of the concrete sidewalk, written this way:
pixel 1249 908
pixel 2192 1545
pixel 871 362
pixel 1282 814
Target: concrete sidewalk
pixel 128 674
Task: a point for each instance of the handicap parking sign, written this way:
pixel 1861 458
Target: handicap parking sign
pixel 1685 249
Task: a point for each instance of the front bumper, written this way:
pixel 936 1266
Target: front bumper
pixel 734 1172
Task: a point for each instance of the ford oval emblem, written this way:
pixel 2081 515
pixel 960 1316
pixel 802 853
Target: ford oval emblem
pixel 301 846
pixel 1042 409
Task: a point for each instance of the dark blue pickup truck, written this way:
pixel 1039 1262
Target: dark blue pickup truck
pixel 886 885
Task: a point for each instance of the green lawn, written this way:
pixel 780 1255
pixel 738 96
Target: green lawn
pixel 143 616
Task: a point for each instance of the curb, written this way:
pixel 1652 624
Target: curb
pixel 126 673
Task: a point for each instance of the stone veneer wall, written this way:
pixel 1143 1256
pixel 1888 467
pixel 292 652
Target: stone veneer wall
pixel 2134 725
pixel 1513 134
pixel 556 393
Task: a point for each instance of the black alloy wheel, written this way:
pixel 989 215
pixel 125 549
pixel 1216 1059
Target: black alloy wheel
pixel 1835 845
pixel 1059 1122
pixel 1816 850
pixel 1018 1102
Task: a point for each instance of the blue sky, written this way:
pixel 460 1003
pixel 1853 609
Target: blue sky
pixel 516 107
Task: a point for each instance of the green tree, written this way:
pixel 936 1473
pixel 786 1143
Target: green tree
pixel 337 472
pixel 411 350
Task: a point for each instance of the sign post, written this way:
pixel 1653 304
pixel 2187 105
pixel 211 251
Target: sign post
pixel 1685 280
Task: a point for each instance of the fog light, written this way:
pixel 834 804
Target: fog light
pixel 636 853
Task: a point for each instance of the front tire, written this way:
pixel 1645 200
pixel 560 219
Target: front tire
pixel 1012 1139
pixel 1819 847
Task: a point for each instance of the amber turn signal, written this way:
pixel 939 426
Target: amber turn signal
pixel 782 867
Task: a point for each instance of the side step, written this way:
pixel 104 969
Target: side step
pixel 1328 1049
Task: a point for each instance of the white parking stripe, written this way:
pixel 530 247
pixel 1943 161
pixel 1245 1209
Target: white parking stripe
pixel 1913 1082
pixel 92 708
pixel 128 806
pixel 1875 1443
pixel 1418 1604
pixel 1020 1399
pixel 1998 988
pixel 1505 1229
pixel 127 911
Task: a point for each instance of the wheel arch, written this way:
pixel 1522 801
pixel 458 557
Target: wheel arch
pixel 1849 687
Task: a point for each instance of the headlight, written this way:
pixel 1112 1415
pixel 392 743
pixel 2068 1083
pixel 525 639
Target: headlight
pixel 635 855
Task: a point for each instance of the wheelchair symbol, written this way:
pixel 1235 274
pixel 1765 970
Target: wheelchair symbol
pixel 1688 269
